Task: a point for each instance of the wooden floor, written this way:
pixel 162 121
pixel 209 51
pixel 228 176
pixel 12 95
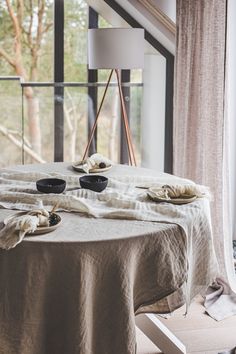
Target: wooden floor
pixel 198 332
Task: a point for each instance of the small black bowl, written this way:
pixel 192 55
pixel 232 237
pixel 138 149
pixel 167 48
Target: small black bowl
pixel 51 185
pixel 94 182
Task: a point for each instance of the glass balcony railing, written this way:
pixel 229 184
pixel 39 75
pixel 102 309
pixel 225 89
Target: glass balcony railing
pixel 27 121
pixel 11 122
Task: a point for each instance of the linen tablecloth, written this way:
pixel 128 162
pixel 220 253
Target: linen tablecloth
pixel 77 290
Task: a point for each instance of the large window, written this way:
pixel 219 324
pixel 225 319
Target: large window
pixel 48 111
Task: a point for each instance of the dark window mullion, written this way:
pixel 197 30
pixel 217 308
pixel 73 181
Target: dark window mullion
pixel 168 149
pixel 58 77
pixel 124 157
pixel 92 90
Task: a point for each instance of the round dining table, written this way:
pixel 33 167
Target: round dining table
pixel 76 290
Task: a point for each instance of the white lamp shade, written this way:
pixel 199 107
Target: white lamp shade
pixel 116 48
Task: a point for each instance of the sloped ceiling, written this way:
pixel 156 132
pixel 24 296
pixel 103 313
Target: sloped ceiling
pixel 163 11
pixel 150 21
pixel 168 7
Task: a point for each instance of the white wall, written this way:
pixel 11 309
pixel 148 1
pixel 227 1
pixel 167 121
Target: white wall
pixel 153 115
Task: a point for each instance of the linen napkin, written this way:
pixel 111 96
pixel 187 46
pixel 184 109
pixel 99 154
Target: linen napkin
pixel 220 300
pixel 17 227
pixel 94 161
pixel 179 191
pixel 15 230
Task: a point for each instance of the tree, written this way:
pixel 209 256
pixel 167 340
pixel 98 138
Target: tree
pixel 26 42
pixel 25 26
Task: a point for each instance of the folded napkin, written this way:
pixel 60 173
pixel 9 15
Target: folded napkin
pixel 17 227
pixel 179 191
pixel 220 300
pixel 93 162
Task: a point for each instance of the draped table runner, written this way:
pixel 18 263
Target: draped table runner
pixel 77 290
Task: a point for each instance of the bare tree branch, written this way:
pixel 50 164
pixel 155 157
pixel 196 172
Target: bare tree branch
pixel 14 20
pixel 18 143
pixel 17 43
pixel 68 118
pixel 28 32
pixel 7 57
pixel 31 21
pixel 36 46
pixel 40 24
pixel 15 132
pixel 20 11
pixel 47 27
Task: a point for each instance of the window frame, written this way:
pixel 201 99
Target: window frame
pixel 92 85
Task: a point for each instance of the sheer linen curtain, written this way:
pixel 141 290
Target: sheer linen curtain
pixel 200 123
pixel 231 107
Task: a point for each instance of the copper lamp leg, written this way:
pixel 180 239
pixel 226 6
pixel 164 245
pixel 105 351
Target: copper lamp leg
pixel 125 120
pixel 126 124
pixel 96 120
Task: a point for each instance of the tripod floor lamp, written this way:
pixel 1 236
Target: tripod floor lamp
pixel 115 49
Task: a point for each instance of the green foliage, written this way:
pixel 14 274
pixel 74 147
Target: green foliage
pixel 75 40
pixel 7 37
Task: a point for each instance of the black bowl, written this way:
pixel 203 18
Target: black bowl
pixel 51 185
pixel 94 182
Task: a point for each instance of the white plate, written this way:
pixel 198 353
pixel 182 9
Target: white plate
pixel 179 201
pixel 40 230
pixel 78 167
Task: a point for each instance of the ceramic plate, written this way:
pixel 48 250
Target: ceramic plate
pixel 78 167
pixel 41 229
pixel 185 200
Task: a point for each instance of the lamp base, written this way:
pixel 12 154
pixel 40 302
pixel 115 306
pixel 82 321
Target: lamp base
pixel 131 153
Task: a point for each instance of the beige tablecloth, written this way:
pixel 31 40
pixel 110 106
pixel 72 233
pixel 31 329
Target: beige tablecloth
pixel 77 290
